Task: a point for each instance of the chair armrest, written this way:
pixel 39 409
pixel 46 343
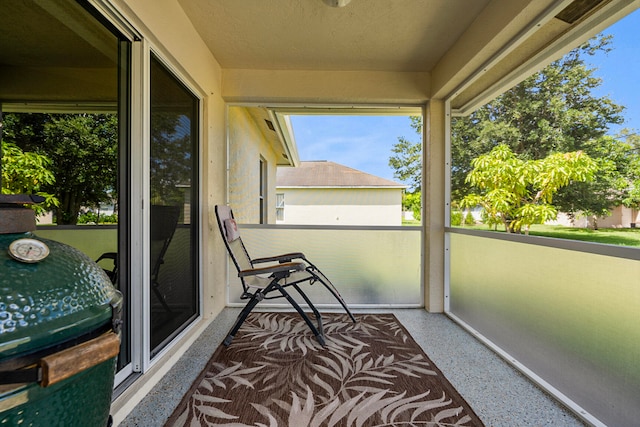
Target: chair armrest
pixel 289 267
pixel 108 255
pixel 280 258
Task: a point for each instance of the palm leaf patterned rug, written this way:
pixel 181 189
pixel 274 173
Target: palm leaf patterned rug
pixel 371 373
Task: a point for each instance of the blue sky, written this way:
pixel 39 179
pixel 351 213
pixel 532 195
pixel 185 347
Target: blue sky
pixel 620 68
pixel 364 142
pixel 360 142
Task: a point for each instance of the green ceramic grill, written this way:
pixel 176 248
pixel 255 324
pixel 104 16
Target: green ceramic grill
pixel 59 325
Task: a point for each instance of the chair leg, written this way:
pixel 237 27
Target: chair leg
pixel 316 313
pixel 255 299
pixel 327 284
pixel 302 314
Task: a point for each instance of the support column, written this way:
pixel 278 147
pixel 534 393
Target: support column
pixel 433 202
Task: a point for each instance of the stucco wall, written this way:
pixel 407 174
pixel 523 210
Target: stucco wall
pixel 246 146
pixel 349 206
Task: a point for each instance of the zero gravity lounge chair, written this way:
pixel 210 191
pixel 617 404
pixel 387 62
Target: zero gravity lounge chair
pixel 278 273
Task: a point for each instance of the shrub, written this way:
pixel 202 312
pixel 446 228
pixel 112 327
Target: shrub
pixel 92 218
pixel 456 218
pixel 469 219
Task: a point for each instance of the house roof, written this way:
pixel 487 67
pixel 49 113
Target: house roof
pixel 329 174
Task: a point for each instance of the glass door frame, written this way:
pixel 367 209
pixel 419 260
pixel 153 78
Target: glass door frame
pixel 141 271
pixel 138 176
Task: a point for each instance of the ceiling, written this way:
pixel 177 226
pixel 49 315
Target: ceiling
pixel 378 35
pixel 467 47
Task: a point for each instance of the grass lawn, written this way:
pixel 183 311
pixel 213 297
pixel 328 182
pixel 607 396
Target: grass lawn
pixel 610 236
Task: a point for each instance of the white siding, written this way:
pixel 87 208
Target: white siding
pixel 342 206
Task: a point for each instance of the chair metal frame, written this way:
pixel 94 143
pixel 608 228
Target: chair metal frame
pixel 163 227
pixel 283 271
pixel 164 222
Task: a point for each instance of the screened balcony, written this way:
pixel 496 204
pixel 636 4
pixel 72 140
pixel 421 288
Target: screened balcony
pixel 564 315
pixel 545 307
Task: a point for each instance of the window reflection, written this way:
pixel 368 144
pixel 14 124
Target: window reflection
pixel 173 190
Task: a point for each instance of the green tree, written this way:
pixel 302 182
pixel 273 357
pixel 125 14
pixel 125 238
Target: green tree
pixel 412 202
pixel 406 159
pixel 613 183
pixel 552 111
pixel 171 161
pixel 27 173
pixel 83 150
pixel 518 193
pixel 632 195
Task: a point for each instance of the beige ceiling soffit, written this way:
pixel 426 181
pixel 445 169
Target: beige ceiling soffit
pixel 501 27
pixel 271 87
pixel 608 13
pixel 534 25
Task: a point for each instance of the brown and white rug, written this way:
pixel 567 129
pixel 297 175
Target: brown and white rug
pixel 275 373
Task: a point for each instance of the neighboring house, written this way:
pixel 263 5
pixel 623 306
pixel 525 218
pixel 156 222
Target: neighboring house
pixel 327 193
pixel 620 217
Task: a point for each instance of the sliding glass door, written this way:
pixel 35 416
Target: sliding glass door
pixel 173 229
pixel 65 101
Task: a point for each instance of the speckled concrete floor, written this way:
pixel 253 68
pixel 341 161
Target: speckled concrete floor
pixel 500 395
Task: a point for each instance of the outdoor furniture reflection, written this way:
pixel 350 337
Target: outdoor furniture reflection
pixel 164 221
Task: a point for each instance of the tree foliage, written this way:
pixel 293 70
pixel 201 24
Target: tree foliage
pixel 412 202
pixel 27 173
pixel 83 150
pixel 171 160
pixel 518 193
pixel 406 159
pixel 631 197
pixel 552 111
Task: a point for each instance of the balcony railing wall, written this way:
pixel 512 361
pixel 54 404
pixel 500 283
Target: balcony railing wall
pixel 96 240
pixel 569 314
pixel 370 266
pixel 89 239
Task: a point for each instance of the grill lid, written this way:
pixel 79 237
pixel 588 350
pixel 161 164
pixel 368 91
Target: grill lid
pixel 61 297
